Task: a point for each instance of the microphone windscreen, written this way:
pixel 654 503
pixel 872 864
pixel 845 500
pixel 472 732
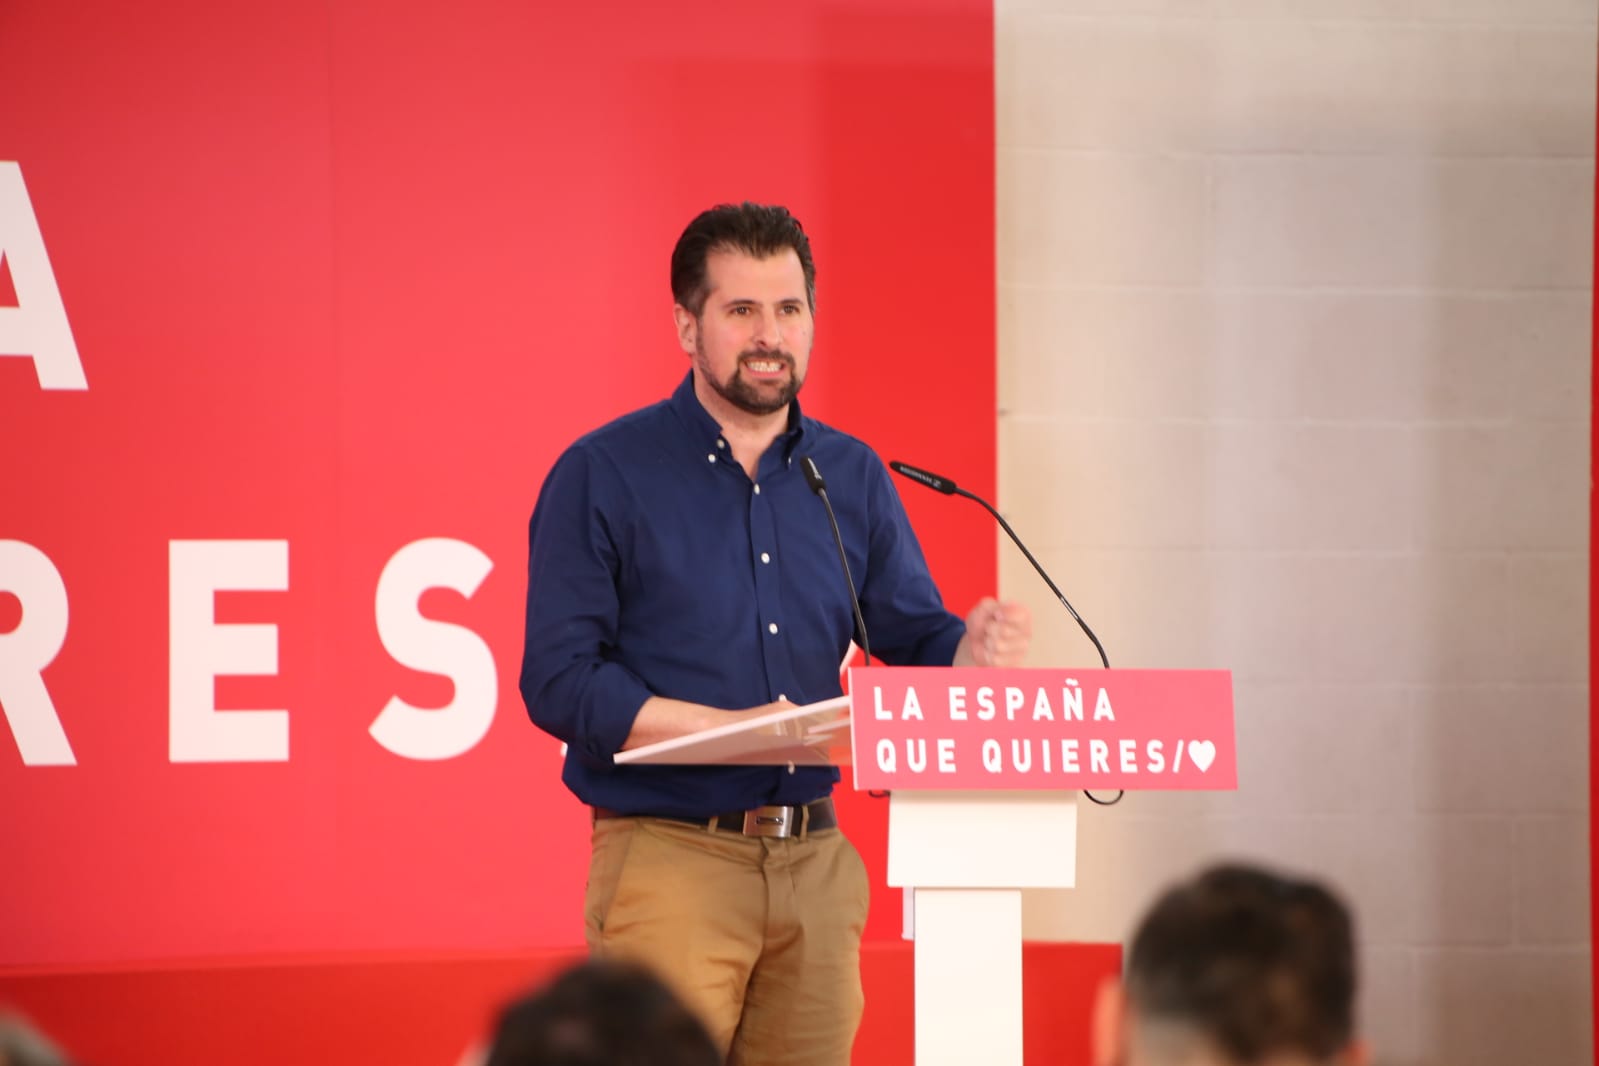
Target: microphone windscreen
pixel 813 476
pixel 932 481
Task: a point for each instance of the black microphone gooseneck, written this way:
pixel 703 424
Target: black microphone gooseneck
pixel 813 478
pixel 949 488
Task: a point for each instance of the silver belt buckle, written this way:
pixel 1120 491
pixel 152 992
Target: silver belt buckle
pixel 770 822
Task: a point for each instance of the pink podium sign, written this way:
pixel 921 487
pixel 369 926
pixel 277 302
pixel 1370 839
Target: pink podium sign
pixel 946 728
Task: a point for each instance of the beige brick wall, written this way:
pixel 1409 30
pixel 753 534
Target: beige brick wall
pixel 1294 379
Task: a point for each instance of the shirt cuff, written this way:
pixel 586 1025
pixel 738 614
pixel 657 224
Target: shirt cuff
pixel 616 697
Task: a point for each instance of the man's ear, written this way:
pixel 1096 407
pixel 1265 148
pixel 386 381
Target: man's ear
pixel 1109 1024
pixel 688 326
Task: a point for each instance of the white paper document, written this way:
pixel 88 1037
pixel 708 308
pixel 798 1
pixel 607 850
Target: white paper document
pixel 814 735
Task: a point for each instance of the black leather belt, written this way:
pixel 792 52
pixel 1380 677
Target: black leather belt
pixel 774 821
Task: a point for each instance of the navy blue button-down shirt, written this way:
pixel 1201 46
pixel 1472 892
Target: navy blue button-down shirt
pixel 656 566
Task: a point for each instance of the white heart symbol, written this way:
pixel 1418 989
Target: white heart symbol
pixel 1203 753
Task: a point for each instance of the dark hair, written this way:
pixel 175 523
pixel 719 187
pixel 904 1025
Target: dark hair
pixel 602 1013
pixel 23 1045
pixel 755 229
pixel 1258 963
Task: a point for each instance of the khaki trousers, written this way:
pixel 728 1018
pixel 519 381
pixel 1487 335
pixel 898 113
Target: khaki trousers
pixel 759 936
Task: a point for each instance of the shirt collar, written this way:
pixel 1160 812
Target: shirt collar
pixel 704 427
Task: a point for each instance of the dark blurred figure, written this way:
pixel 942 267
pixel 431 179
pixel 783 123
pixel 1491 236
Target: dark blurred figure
pixel 1237 967
pixel 21 1044
pixel 602 1013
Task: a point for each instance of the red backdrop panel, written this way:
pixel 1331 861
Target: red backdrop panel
pixel 346 275
pixel 426 1012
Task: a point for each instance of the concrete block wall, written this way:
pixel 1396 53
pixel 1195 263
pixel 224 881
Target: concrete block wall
pixel 1295 370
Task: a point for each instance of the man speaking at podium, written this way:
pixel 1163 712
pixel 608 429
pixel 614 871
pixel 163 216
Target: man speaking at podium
pixel 681 574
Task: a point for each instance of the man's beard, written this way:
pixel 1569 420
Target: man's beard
pixel 752 399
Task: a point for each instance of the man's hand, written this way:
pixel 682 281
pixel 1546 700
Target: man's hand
pixel 997 634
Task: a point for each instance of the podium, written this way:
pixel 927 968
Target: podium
pixel 983 767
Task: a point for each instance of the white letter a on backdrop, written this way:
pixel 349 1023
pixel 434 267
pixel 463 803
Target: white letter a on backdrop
pixel 36 328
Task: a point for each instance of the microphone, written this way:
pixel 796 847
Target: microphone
pixel 949 488
pixel 813 478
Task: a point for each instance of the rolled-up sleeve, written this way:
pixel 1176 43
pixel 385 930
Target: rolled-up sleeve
pixel 571 684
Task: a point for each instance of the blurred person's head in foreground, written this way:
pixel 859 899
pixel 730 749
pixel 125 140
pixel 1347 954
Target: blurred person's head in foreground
pixel 1237 967
pixel 601 1013
pixel 23 1045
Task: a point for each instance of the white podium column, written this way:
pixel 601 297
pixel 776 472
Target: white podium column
pixel 967 855
pixel 968 976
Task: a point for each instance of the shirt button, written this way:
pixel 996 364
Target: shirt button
pixel 712 458
pixel 757 490
pixel 765 558
pixel 772 628
pixel 721 444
